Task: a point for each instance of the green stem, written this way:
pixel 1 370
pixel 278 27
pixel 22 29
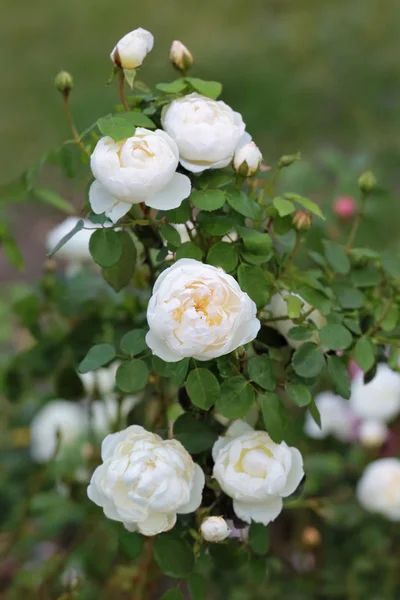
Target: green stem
pixel 71 123
pixel 121 90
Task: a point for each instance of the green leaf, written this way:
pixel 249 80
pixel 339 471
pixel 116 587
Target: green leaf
pixel 252 280
pixel 259 538
pixel 197 587
pixel 306 203
pixel 256 242
pixel 294 306
pixel 120 274
pixel 301 333
pixel 79 225
pixel 189 250
pixel 353 325
pixel 335 337
pixel 163 368
pixel 314 412
pixel 368 276
pixel 53 199
pixel 308 360
pixel 336 257
pixel 179 215
pixel 116 127
pixel 364 354
pixel 274 416
pixel 170 234
pixel 134 342
pixel 130 543
pixel 316 298
pixel 217 225
pixel 391 265
pixel 196 436
pixel 179 374
pixel 236 399
pixel 208 200
pixel 105 246
pixel 261 372
pixel 11 249
pixel 175 87
pixel 132 376
pixel 172 595
pixel 340 377
pixel 138 119
pixel 243 204
pixel 299 394
pixel 348 296
pixel 228 365
pixel 211 89
pixel 98 356
pixel 173 556
pixel 283 206
pixel 203 388
pixel 223 254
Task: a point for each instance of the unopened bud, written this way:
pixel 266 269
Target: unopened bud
pixel 345 207
pixel 302 221
pixel 131 50
pixel 64 82
pixel 180 57
pixel 288 159
pixel 367 182
pixel 215 529
pixel 247 160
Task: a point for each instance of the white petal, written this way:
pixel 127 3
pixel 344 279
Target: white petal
pixel 160 348
pixel 196 493
pixel 245 139
pixel 118 210
pixel 237 428
pixel 99 198
pixel 156 523
pixel 261 512
pixel 295 475
pixel 172 195
pixel 197 168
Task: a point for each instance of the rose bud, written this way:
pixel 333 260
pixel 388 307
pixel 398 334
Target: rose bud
pixel 131 50
pixel 367 182
pixel 215 529
pixel 64 82
pixel 180 57
pixel 247 160
pixel 345 207
pixel 302 221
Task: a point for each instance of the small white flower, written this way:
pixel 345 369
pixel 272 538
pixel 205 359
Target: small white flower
pixel 372 433
pixel 215 529
pixel 198 311
pixel 247 159
pixel 102 380
pixel 57 418
pixel 141 168
pixel 337 418
pixel 256 472
pixel 131 50
pixel 77 248
pixel 208 132
pixel 379 488
pixel 380 398
pixel 278 308
pixel 145 481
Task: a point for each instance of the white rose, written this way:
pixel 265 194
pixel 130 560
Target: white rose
pixel 77 248
pixel 57 418
pixel 102 380
pixel 380 398
pixel 379 488
pixel 215 529
pixel 337 418
pixel 207 132
pixel 256 472
pixel 372 433
pixel 198 311
pixel 141 168
pixel 247 159
pixel 145 481
pixel 278 308
pixel 132 49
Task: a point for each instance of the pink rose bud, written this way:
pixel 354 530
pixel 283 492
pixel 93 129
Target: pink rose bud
pixel 345 207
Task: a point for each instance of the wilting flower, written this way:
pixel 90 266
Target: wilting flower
pixel 337 418
pixel 131 50
pixel 278 308
pixel 208 132
pixel 380 398
pixel 379 488
pixel 256 472
pixel 247 159
pixel 215 529
pixel 200 311
pixel 141 168
pixel 145 481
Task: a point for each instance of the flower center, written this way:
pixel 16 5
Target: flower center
pixel 254 461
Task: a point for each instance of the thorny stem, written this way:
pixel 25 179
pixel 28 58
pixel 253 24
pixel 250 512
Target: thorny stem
pixel 121 90
pixel 71 123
